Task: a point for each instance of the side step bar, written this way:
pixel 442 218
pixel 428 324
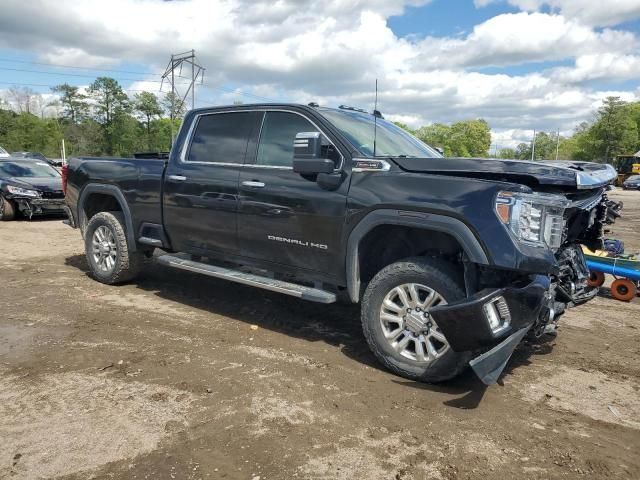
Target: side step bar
pixel 184 262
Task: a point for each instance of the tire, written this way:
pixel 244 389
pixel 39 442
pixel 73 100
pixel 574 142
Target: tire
pixel 435 276
pixel 7 209
pixel 596 279
pixel 623 289
pixel 122 264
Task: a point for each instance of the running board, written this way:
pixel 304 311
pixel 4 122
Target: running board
pixel 183 262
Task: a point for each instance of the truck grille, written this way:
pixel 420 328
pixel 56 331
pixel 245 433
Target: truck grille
pixel 53 195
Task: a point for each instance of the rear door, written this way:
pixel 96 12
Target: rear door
pixel 285 218
pixel 201 186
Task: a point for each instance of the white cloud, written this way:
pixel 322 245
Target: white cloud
pixel 332 52
pixel 600 66
pixel 589 12
pixel 519 38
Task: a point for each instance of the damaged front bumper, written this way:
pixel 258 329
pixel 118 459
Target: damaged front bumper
pixel 30 207
pixel 494 320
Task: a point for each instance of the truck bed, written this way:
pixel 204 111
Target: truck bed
pixel 140 181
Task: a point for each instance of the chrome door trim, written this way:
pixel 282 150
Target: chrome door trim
pixel 252 184
pixel 177 178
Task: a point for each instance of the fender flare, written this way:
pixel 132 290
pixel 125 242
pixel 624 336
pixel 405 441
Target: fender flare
pixel 427 221
pixel 119 196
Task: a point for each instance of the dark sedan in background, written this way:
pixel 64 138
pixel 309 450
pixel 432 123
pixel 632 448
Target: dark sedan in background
pixel 632 183
pixel 29 187
pixel 37 156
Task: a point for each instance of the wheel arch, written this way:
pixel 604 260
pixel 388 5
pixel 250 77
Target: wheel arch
pixel 96 198
pixel 444 225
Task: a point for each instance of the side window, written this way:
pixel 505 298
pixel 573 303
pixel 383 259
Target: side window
pixel 278 133
pixel 221 138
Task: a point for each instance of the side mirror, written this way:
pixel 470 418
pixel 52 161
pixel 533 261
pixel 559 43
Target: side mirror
pixel 307 155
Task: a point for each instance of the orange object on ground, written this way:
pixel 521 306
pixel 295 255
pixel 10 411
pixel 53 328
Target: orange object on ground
pixel 623 289
pixel 596 279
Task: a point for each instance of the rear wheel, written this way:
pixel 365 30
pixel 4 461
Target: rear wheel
pixel 7 209
pixel 398 327
pixel 107 249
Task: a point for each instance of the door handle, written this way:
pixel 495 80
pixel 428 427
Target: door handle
pixel 177 178
pixel 253 184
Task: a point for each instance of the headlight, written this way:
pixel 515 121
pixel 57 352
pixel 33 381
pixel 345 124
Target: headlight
pixel 533 218
pixel 25 192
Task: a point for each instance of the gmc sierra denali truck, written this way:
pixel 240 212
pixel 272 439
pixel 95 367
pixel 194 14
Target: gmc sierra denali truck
pixel 453 260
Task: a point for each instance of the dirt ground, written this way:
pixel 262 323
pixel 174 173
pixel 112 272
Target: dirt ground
pixel 181 376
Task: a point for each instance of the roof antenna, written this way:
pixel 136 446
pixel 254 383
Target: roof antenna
pixel 375 121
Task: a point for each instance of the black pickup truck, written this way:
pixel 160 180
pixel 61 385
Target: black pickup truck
pixel 453 260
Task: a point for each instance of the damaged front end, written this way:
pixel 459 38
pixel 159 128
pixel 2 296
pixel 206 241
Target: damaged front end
pixel 494 321
pixel 505 306
pixel 32 203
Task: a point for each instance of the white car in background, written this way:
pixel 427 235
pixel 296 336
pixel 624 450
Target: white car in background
pixel 4 153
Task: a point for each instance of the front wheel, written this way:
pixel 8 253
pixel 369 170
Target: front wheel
pixel 107 250
pixel 398 327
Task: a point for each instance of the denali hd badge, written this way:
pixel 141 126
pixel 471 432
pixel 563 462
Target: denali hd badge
pixel 302 243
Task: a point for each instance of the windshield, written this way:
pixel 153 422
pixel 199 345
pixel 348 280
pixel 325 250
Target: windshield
pixel 27 169
pixel 3 152
pixel 36 155
pixel 633 178
pixel 390 140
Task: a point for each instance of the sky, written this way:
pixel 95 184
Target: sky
pixel 519 64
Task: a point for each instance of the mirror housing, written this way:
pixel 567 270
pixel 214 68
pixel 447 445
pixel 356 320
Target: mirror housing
pixel 307 155
pixel 307 145
pixel 311 166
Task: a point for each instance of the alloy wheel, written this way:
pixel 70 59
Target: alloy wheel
pixel 407 325
pixel 104 249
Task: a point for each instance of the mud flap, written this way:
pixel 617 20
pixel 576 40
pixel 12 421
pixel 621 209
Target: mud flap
pixel 490 365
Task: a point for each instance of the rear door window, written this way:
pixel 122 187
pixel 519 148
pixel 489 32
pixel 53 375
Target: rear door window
pixel 221 138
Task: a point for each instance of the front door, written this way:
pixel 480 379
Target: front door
pixel 285 218
pixel 201 187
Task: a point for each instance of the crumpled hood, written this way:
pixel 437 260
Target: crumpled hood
pixel 42 184
pixel 561 173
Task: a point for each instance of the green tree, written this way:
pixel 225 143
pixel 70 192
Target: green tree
pixel 436 135
pixel 73 102
pixel 84 138
pixel 111 102
pixel 615 132
pixel 507 153
pixel 128 134
pixel 146 104
pixel 173 106
pixel 584 143
pixel 469 138
pixel 26 131
pixel 546 144
pixel 404 126
pixel 161 133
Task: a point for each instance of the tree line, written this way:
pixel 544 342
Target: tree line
pixel 613 130
pixel 103 120
pixel 468 138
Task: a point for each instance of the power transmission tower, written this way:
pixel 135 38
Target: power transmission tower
pixel 173 71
